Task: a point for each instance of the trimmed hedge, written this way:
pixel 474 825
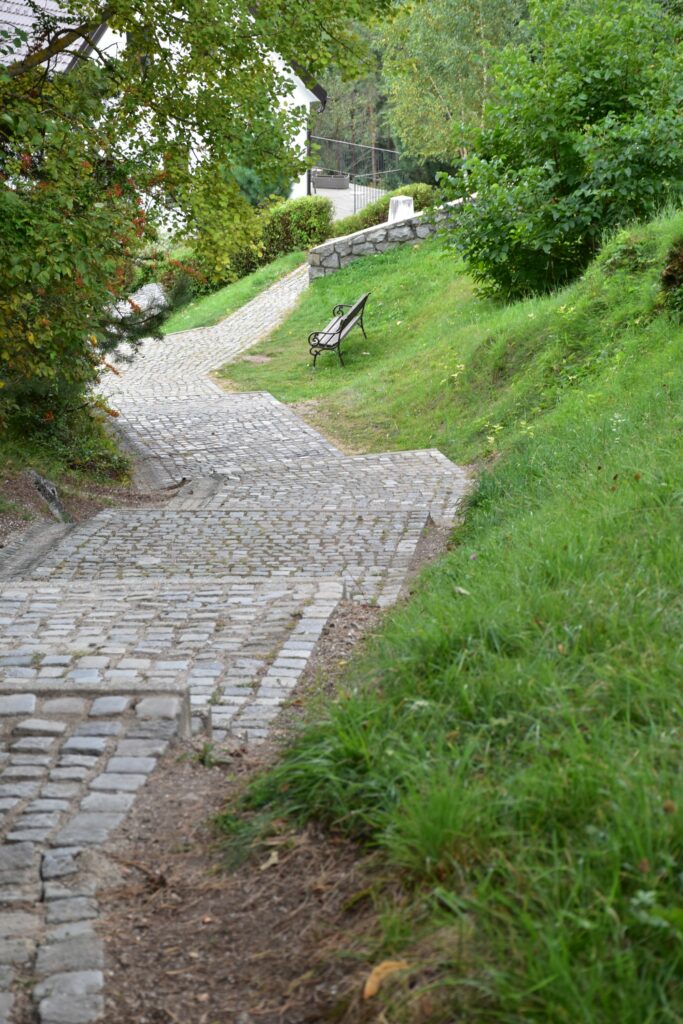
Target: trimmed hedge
pixel 423 195
pixel 296 224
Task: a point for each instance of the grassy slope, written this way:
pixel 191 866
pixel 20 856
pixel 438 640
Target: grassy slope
pixel 209 309
pixel 512 738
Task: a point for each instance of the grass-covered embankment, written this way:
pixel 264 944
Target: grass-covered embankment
pixel 512 739
pixel 210 309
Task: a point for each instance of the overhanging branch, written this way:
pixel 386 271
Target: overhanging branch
pixel 59 44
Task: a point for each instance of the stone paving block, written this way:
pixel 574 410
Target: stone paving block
pixel 19 924
pixel 17 704
pixel 88 828
pixel 158 707
pixel 23 771
pixel 86 745
pixel 71 983
pixel 49 726
pixel 80 885
pixel 69 930
pixel 60 790
pixel 81 953
pixel 36 743
pixel 98 729
pixel 31 760
pixel 68 774
pixel 77 760
pixel 22 790
pixel 16 862
pixel 43 805
pixel 6 1004
pixel 78 908
pixel 141 748
pixel 116 802
pixel 109 705
pixel 118 781
pixel 27 835
pixel 16 951
pixel 59 863
pixel 71 1009
pixel 64 706
pixel 43 820
pixel 132 765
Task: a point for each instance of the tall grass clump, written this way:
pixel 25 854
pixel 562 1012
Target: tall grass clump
pixel 512 738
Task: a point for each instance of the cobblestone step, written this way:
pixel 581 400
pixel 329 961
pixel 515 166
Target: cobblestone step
pixel 360 548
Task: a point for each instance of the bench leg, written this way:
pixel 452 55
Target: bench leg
pixel 340 355
pixel 363 329
pixel 315 356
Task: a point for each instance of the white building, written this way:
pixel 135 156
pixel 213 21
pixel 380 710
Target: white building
pixel 18 14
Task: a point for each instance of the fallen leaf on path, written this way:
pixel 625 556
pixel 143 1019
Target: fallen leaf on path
pixel 379 973
pixel 273 859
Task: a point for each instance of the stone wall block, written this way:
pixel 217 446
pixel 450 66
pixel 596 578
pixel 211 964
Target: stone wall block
pixel 339 252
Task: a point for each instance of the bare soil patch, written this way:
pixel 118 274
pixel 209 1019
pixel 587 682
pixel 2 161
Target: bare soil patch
pixel 21 505
pixel 190 941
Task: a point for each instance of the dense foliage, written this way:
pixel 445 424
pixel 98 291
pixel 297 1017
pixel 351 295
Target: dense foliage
pixel 73 221
pixel 91 158
pixel 437 57
pixel 296 224
pixel 584 134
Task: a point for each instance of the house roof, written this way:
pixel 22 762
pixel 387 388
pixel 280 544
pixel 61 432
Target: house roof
pixel 17 14
pixel 20 14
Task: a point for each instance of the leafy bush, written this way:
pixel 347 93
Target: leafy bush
pixel 73 225
pixel 296 224
pixel 258 187
pixel 227 241
pixel 377 213
pixel 584 136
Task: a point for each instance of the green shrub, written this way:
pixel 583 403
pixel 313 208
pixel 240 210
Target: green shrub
pixel 378 212
pixel 296 224
pixel 584 136
pixel 258 187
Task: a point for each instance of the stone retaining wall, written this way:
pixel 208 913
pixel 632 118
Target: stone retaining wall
pixel 335 254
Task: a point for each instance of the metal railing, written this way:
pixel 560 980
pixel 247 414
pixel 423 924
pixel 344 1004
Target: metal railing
pixel 369 187
pixel 353 157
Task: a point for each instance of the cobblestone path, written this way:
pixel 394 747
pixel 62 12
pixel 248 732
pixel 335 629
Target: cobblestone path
pixel 142 625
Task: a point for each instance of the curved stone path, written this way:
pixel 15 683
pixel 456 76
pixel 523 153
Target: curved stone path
pixel 142 624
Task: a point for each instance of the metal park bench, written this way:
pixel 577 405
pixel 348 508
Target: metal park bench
pixel 338 328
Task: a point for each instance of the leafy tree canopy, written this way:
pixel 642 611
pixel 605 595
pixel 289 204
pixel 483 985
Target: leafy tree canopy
pixel 583 134
pixel 437 58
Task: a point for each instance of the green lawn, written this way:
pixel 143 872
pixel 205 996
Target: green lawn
pixel 512 739
pixel 416 381
pixel 209 309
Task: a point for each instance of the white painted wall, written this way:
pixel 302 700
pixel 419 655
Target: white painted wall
pixel 112 43
pixel 300 97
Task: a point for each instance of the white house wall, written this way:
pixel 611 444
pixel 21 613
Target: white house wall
pixel 299 97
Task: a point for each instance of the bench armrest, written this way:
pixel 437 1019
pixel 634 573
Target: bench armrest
pixel 316 335
pixel 340 307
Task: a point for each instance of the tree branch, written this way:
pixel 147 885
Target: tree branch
pixel 58 45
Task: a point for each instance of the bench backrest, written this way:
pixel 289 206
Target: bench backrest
pixel 352 315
